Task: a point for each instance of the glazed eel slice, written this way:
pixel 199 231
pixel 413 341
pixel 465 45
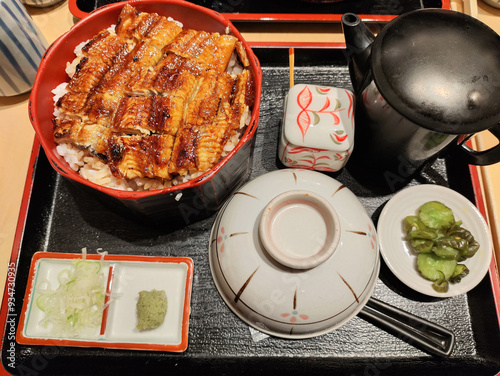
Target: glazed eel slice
pixel 218 110
pixel 133 24
pixel 98 57
pixel 210 51
pixel 232 115
pixel 90 136
pixel 201 110
pixel 100 103
pixel 149 115
pixel 162 32
pixel 139 156
pixel 173 76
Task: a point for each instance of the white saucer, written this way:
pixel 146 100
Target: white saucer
pixel 401 259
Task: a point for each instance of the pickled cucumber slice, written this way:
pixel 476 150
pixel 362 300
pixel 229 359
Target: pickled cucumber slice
pixel 441 285
pixel 436 215
pixel 430 266
pixel 412 223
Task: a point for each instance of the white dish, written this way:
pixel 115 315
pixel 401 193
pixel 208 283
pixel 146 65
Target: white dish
pixel 401 259
pixel 302 297
pixel 126 276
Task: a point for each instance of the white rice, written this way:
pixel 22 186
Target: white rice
pixel 97 171
pixel 178 23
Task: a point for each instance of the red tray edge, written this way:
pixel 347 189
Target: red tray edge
pixel 481 205
pixel 9 290
pixel 277 17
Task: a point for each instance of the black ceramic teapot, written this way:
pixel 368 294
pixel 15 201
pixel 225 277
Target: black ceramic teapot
pixel 429 80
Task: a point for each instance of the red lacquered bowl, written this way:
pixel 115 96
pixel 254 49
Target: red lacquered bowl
pixel 187 202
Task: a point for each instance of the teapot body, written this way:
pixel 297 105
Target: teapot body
pixel 395 136
pixel 389 144
pixel 427 82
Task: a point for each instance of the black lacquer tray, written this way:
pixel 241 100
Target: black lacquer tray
pixel 291 10
pixel 62 218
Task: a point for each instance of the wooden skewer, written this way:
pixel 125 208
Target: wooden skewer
pixel 291 58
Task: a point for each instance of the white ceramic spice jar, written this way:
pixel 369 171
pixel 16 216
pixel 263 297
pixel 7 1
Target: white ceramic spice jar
pixel 318 128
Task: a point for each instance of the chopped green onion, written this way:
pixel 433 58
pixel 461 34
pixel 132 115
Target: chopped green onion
pixel 75 308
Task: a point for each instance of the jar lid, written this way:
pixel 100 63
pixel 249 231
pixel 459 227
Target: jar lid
pixel 440 69
pixel 319 117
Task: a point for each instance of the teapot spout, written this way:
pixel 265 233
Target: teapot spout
pixel 358 40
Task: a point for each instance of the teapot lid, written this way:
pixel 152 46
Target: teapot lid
pixel 440 69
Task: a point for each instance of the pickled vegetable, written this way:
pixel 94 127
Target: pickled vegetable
pixel 436 215
pixel 441 285
pixel 460 271
pixel 436 269
pixel 441 243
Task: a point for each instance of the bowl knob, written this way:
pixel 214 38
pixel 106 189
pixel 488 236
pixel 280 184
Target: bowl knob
pixel 299 229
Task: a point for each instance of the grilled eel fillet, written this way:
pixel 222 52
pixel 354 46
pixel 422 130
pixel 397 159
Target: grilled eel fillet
pixel 155 100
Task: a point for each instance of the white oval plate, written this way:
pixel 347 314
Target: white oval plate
pixel 401 259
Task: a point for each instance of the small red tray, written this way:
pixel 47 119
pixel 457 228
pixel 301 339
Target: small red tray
pixel 126 276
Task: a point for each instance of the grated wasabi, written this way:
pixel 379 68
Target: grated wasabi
pixel 151 309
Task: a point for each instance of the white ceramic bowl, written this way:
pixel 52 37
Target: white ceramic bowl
pixel 401 259
pixel 329 260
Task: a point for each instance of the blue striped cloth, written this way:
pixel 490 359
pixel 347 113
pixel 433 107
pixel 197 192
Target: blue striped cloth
pixel 21 48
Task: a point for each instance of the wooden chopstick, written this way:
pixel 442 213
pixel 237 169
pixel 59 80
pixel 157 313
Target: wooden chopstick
pixel 291 58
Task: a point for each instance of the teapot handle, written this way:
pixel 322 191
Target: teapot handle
pixel 484 157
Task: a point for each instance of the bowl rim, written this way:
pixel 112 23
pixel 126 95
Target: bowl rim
pixel 63 168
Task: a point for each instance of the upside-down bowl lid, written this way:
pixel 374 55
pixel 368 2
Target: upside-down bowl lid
pixel 315 286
